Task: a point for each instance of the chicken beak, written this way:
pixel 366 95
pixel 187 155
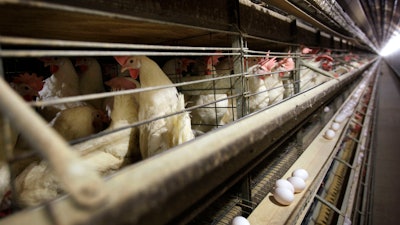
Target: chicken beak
pixel 46 60
pixel 124 68
pixel 134 73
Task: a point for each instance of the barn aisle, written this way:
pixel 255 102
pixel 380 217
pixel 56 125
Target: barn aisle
pixel 386 182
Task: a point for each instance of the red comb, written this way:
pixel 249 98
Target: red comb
pixel 213 60
pixel 121 59
pixel 327 57
pixel 267 63
pixel 32 80
pixel 186 62
pixel 306 50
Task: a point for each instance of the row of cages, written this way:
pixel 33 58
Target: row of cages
pixel 119 104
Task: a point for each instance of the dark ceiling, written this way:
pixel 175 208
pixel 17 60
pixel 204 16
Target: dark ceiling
pixel 373 22
pixel 379 19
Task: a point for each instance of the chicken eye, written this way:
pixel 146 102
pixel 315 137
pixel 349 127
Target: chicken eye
pixel 131 61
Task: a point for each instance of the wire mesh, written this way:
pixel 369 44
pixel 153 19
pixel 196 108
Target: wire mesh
pixel 219 86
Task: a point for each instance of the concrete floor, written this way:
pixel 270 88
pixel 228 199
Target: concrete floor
pixel 386 183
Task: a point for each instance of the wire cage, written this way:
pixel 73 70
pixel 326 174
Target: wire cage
pixel 219 86
pixel 164 107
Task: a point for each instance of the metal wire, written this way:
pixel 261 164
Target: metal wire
pixel 82 44
pixel 72 53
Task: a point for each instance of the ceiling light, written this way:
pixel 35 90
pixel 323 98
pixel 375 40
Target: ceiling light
pixel 391 46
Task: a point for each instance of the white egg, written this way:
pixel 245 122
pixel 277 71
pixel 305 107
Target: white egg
pixel 326 109
pixel 335 126
pixel 298 184
pixel 283 195
pixel 329 134
pixel 302 173
pixel 348 113
pixel 283 183
pixel 240 220
pixel 340 118
pixel 355 96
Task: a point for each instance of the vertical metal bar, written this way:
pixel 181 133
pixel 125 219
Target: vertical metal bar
pixel 246 192
pixel 238 68
pixel 296 75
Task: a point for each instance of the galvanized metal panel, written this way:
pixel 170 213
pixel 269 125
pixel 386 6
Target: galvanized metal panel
pixel 207 13
pixel 260 24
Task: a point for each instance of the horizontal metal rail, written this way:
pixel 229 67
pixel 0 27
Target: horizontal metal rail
pixel 44 53
pixel 6 40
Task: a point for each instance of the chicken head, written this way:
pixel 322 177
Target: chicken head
pixel 287 64
pixel 28 85
pixel 265 65
pixel 53 62
pixel 130 63
pixel 100 120
pixel 268 64
pixel 83 63
pixel 326 62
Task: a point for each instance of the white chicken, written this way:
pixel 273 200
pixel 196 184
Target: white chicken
pixel 259 94
pixel 354 60
pixel 4 169
pixel 90 79
pixel 79 122
pixel 231 113
pixel 215 106
pixel 106 154
pixel 208 116
pixel 310 78
pixel 164 133
pixel 27 85
pixel 285 66
pixel 63 82
pixel 274 82
pixel 125 112
pixel 36 184
pixel 175 67
pixel 223 66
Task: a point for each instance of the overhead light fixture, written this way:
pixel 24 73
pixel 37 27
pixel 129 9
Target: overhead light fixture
pixel 391 46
